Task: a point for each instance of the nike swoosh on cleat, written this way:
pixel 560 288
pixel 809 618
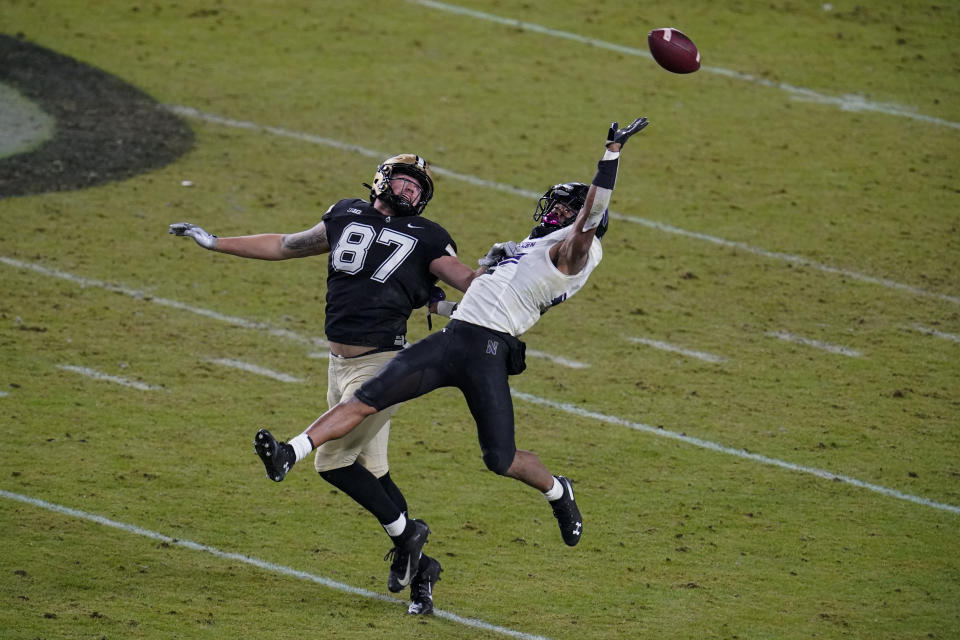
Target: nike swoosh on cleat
pixel 407 576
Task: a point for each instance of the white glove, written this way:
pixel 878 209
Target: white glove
pixel 498 252
pixel 202 238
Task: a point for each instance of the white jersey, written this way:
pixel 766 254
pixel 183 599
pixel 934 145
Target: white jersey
pixel 513 297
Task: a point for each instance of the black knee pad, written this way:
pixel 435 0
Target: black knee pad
pixel 499 460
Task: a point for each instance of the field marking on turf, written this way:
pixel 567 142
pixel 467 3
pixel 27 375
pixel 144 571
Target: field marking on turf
pixel 523 396
pixel 740 453
pixel 938 334
pixel 234 320
pixel 787 257
pixel 573 364
pixel 665 346
pixel 256 562
pixel 98 375
pixel 846 102
pixel 165 302
pixel 816 344
pixel 252 368
pixel 190 112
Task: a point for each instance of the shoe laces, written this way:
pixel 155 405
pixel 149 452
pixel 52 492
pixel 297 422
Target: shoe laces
pixel 421 587
pixel 399 562
pixel 562 509
pixel 563 506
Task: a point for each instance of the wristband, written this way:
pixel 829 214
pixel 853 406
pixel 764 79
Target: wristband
pixel 606 176
pixel 446 308
pixel 603 182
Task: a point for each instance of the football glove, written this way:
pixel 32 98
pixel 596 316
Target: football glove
pixel 620 136
pixel 436 295
pixel 201 237
pixel 437 303
pixel 498 252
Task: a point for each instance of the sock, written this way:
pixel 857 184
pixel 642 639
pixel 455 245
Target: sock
pixel 556 492
pixel 357 482
pixel 301 446
pixel 396 528
pixel 393 491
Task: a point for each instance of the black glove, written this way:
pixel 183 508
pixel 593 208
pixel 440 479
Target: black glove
pixel 436 295
pixel 620 136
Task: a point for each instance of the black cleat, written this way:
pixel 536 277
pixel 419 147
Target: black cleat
pixel 406 557
pixel 567 514
pixel 421 589
pixel 277 457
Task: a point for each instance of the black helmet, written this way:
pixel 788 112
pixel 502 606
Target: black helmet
pixel 572 195
pixel 404 164
pixel 569 194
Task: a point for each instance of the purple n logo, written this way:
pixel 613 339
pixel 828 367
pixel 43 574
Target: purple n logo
pixel 492 347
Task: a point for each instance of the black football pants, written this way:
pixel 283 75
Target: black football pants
pixel 462 355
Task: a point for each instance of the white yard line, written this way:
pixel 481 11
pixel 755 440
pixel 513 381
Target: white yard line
pixel 190 112
pixel 239 322
pixel 566 362
pixel 816 344
pixel 740 453
pixel 98 375
pixel 164 302
pixel 252 368
pixel 665 346
pixel 256 562
pixel 787 257
pixel 560 406
pixel 846 102
pixel 938 334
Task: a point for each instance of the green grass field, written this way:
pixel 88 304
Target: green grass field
pixel 792 212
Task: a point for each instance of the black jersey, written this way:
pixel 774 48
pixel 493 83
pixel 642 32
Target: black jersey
pixel 378 272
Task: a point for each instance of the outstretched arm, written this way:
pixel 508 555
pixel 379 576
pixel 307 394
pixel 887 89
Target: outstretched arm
pixel 455 273
pixel 570 256
pixel 264 246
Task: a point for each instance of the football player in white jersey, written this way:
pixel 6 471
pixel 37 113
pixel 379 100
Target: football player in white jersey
pixel 479 348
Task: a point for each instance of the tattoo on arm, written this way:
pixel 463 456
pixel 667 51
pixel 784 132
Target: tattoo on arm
pixel 307 243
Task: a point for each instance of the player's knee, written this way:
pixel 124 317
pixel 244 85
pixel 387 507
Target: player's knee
pixel 498 460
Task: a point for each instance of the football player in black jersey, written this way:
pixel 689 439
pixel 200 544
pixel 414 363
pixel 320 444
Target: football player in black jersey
pixel 384 261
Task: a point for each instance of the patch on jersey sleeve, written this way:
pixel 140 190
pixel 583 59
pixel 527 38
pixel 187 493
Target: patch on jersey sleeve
pixel 449 249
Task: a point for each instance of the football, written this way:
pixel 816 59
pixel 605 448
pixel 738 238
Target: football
pixel 673 50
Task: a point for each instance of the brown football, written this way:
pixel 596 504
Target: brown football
pixel 673 50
